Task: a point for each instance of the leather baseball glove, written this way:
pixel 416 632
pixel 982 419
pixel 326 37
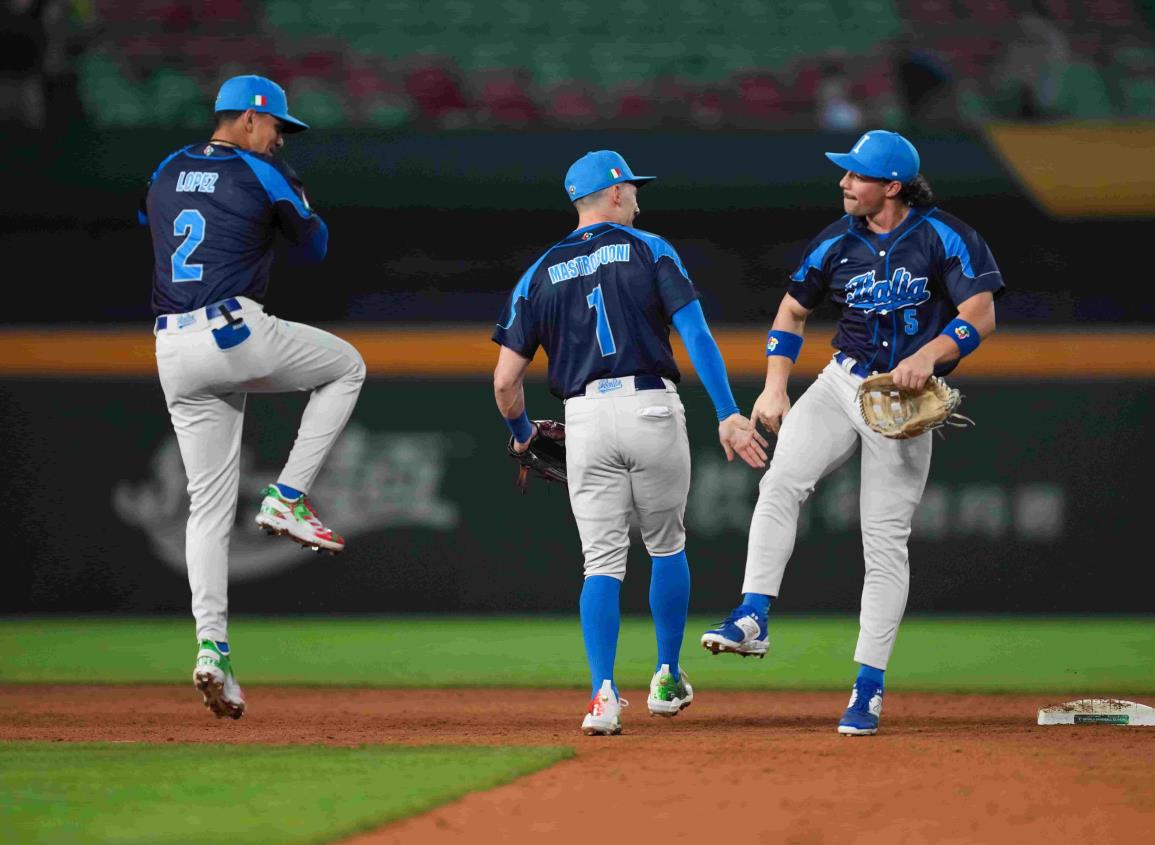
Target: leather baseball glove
pixel 545 456
pixel 902 414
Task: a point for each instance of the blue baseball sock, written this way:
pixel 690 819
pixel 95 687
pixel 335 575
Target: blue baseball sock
pixel 669 604
pixel 869 673
pixel 289 492
pixel 758 601
pixel 601 619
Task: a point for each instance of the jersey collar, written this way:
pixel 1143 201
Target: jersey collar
pixel 912 219
pixel 586 233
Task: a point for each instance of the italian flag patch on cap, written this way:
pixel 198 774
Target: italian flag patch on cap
pixel 260 100
pixel 615 173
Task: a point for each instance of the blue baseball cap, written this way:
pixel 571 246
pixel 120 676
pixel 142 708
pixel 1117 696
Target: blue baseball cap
pixel 882 155
pixel 596 170
pixel 259 94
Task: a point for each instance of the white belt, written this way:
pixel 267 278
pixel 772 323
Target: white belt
pixel 627 386
pixel 202 318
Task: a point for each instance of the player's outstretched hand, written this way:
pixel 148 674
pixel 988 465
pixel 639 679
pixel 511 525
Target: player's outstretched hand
pixel 770 409
pixel 739 437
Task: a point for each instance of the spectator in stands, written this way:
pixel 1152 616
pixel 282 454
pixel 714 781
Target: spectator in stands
pixel 926 84
pixel 39 42
pixel 836 112
pixel 23 45
pixel 1027 80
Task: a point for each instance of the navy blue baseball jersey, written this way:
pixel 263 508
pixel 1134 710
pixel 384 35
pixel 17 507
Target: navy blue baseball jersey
pixel 600 303
pixel 213 211
pixel 897 291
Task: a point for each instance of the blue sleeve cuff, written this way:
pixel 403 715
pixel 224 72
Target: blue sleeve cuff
pixel 786 344
pixel 521 428
pixel 690 322
pixel 965 336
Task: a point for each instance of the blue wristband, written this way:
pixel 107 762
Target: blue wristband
pixel 787 344
pixel 520 428
pixel 964 335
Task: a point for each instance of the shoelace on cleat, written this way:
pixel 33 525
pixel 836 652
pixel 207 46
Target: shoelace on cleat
pixel 862 702
pixel 738 613
pixel 596 707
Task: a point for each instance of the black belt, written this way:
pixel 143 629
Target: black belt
pixel 643 382
pixel 649 383
pixel 221 309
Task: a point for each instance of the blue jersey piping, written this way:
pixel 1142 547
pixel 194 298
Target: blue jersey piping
pixel 658 247
pixel 275 184
pixel 814 259
pixel 954 245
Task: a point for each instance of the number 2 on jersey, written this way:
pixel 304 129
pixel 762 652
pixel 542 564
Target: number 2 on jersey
pixel 191 224
pixel 596 301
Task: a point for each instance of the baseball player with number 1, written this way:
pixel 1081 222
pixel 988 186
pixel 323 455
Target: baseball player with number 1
pixel 916 287
pixel 213 209
pixel 600 302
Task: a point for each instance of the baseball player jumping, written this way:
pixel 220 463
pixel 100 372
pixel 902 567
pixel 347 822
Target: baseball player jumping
pixel 916 288
pixel 213 209
pixel 600 302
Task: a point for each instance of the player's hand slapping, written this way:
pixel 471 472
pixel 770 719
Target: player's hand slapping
pixel 770 409
pixel 739 437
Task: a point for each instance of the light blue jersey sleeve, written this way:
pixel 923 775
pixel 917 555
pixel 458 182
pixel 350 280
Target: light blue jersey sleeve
pixel 690 322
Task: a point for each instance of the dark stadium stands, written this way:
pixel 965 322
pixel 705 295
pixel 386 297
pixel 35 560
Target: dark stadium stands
pixel 450 64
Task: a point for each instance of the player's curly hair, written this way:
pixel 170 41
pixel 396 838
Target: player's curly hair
pixel 917 193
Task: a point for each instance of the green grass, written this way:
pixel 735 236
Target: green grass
pixel 1103 655
pixel 99 793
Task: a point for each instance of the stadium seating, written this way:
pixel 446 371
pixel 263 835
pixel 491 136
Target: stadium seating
pixel 447 64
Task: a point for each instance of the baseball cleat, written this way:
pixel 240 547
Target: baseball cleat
pixel 214 678
pixel 296 519
pixel 669 696
pixel 863 712
pixel 604 715
pixel 742 632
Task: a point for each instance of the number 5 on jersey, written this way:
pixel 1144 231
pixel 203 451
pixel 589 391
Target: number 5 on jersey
pixel 596 301
pixel 191 224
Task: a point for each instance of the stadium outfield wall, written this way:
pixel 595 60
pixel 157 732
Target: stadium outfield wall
pixel 1033 510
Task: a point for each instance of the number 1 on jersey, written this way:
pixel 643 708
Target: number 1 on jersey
pixel 596 301
pixel 191 224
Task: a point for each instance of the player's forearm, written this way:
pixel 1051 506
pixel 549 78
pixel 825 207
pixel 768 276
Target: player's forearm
pixel 778 370
pixel 510 396
pixel 789 326
pixel 978 316
pixel 509 382
pixel 789 320
pixel 706 358
pixel 940 350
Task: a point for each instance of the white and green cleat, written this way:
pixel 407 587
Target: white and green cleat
pixel 669 696
pixel 215 680
pixel 296 519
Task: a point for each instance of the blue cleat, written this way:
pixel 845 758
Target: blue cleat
pixel 863 712
pixel 742 632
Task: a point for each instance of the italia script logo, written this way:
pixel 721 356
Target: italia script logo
pixel 371 481
pixel 901 290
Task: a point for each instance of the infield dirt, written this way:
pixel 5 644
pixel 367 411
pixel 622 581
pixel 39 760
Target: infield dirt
pixel 756 767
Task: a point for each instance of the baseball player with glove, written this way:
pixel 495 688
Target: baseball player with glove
pixel 600 302
pixel 916 288
pixel 213 209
